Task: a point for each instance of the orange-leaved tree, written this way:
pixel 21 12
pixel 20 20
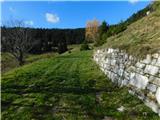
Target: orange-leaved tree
pixel 91 33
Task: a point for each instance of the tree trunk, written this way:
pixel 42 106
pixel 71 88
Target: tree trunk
pixel 20 60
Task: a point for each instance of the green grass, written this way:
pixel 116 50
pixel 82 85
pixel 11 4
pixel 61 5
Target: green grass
pixel 34 57
pixel 8 62
pixel 65 87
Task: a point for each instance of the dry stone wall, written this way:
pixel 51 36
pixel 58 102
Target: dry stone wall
pixel 142 77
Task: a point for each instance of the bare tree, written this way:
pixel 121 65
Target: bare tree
pixel 17 39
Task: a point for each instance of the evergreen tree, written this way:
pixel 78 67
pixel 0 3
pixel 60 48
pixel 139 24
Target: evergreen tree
pixel 103 28
pixel 62 44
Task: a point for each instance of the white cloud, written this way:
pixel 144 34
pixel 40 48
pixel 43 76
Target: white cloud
pixel 133 1
pixel 29 22
pixel 52 18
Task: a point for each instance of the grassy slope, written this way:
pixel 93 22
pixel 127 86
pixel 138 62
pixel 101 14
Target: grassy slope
pixel 8 62
pixel 64 87
pixel 141 37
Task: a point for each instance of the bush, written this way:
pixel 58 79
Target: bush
pixel 69 51
pixel 84 46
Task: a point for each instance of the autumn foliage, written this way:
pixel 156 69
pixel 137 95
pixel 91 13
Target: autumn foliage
pixel 91 33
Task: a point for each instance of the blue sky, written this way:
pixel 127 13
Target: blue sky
pixel 67 14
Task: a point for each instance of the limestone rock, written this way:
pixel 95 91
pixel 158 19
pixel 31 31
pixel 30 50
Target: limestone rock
pixel 121 109
pixel 152 105
pixel 150 69
pixel 154 62
pixel 147 60
pixel 152 87
pixel 158 61
pixel 120 72
pixel 125 82
pixel 139 81
pixel 158 95
pixel 156 81
pixel 140 65
pixel 113 62
pixel 155 55
pixel 110 50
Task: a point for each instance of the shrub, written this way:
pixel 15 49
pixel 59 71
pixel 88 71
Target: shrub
pixel 84 46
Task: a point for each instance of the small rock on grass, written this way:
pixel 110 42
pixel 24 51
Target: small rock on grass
pixel 121 109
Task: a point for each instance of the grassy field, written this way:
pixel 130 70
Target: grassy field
pixel 68 86
pixel 8 62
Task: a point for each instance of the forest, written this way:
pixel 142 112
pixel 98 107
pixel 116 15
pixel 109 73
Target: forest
pixel 46 40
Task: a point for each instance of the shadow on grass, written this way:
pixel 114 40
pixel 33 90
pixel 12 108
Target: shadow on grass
pixel 16 89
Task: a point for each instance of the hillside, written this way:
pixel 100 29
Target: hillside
pixel 141 37
pixel 68 86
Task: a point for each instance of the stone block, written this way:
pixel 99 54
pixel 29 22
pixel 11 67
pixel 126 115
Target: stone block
pixel 131 58
pixel 119 81
pixel 152 105
pixel 121 66
pixel 131 69
pixel 110 50
pixel 147 60
pixel 151 78
pixel 153 62
pixel 156 81
pixel 125 82
pixel 113 62
pixel 150 69
pixel 141 97
pixel 139 70
pixel 140 65
pixel 126 75
pixel 122 54
pixel 115 69
pixel 107 61
pixel 120 72
pixel 126 56
pixel 158 95
pixel 152 87
pixel 132 75
pixel 98 51
pixel 131 92
pixel 155 55
pixel 139 81
pixel 158 62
